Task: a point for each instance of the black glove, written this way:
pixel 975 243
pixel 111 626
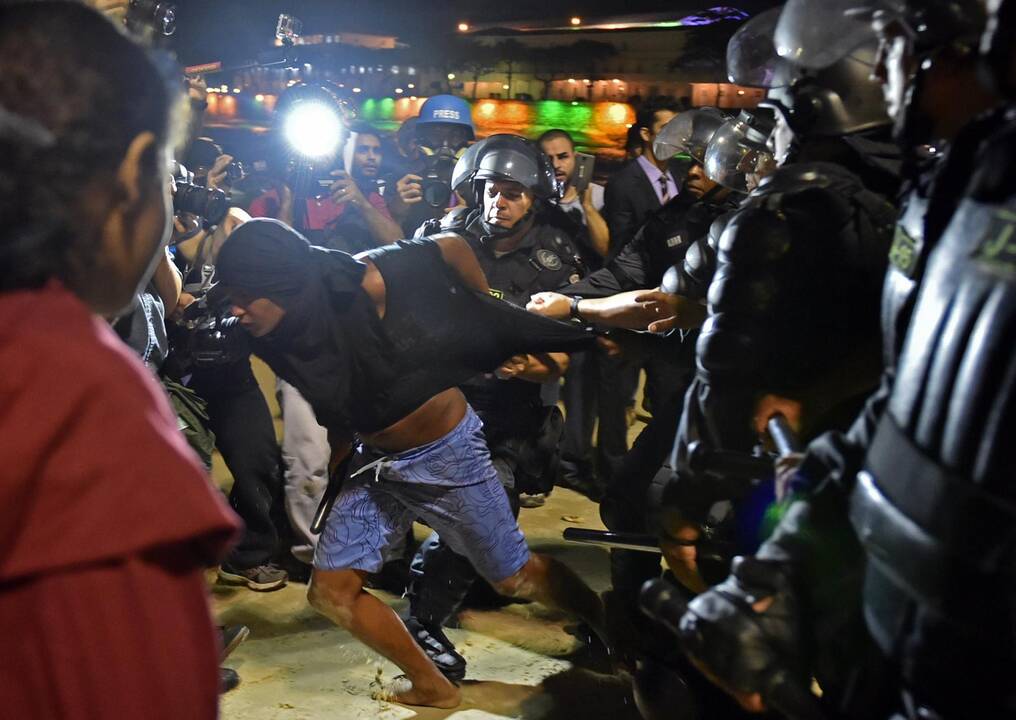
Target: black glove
pixel 753 650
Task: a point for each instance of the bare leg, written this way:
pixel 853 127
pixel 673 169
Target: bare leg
pixel 339 596
pixel 552 583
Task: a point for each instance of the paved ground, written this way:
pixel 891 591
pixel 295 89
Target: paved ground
pixel 296 665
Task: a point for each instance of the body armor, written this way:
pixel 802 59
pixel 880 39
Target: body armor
pixel 935 507
pixel 796 285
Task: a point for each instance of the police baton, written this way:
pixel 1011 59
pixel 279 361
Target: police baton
pixel 335 481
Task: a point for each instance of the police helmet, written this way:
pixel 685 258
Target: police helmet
pixel 511 157
pixel 738 148
pixel 838 99
pixel 688 132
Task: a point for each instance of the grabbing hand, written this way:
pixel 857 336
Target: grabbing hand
pixel 664 311
pixel 512 367
pixel 550 304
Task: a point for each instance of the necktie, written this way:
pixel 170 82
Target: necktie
pixel 664 191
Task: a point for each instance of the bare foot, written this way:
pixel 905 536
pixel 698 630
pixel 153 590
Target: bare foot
pixel 442 695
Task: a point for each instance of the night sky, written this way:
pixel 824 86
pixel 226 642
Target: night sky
pixel 236 29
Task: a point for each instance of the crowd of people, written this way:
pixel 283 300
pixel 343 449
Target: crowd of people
pixel 819 293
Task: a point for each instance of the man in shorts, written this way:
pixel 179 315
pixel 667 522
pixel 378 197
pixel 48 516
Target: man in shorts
pixel 377 344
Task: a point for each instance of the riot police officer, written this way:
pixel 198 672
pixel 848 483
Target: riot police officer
pixel 509 184
pixel 797 284
pixel 928 520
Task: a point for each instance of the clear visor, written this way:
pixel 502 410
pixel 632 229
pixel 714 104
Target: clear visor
pixel 751 55
pixel 731 157
pixel 689 132
pixel 816 33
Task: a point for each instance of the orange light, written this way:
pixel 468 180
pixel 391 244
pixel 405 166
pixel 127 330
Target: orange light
pixel 463 27
pixel 576 21
pixel 487 109
pixel 571 80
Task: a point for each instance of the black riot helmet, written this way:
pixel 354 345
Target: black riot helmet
pixel 511 157
pixel 837 99
pixel 998 47
pixel 504 157
pixel 688 132
pixel 816 33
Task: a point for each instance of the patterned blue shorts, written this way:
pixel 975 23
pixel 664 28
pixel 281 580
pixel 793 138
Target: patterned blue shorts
pixel 450 484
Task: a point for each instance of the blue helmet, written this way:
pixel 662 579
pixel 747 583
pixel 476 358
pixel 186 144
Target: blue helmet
pixel 447 109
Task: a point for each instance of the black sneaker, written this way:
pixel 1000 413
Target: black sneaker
pixel 228 679
pixel 231 636
pixel 262 578
pixel 439 649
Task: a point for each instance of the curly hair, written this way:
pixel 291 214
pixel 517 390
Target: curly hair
pixel 74 92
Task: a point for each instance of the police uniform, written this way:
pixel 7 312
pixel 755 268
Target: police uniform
pixel 520 423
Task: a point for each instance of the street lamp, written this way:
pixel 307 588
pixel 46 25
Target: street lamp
pixel 576 21
pixel 463 27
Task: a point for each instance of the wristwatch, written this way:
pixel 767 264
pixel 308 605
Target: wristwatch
pixel 575 315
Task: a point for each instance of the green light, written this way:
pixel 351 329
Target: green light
pixel 574 102
pixel 369 109
pixel 386 110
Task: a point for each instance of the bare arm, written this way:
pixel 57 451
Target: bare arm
pixel 168 283
pixel 457 254
pixel 534 368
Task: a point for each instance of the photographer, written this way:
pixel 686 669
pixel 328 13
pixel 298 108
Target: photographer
pixel 443 130
pixel 109 520
pixel 210 357
pixel 352 216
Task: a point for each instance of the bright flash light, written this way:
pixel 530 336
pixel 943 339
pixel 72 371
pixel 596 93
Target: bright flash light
pixel 313 130
pixel 463 27
pixel 576 21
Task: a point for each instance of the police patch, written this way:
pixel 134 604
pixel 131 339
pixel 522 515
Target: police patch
pixel 548 259
pixel 998 246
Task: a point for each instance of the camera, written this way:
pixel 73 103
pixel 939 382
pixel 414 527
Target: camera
pixel 151 15
pixel 436 185
pixel 207 336
pixel 209 204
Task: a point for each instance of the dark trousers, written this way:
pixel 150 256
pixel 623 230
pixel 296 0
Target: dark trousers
pixel 625 506
pixel 596 386
pixel 244 434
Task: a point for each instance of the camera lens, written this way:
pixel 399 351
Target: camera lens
pixel 208 203
pixel 436 193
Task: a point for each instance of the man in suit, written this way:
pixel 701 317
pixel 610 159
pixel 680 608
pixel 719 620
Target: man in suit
pixel 644 184
pixel 635 191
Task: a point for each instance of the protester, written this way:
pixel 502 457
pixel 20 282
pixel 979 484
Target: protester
pixel 422 452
